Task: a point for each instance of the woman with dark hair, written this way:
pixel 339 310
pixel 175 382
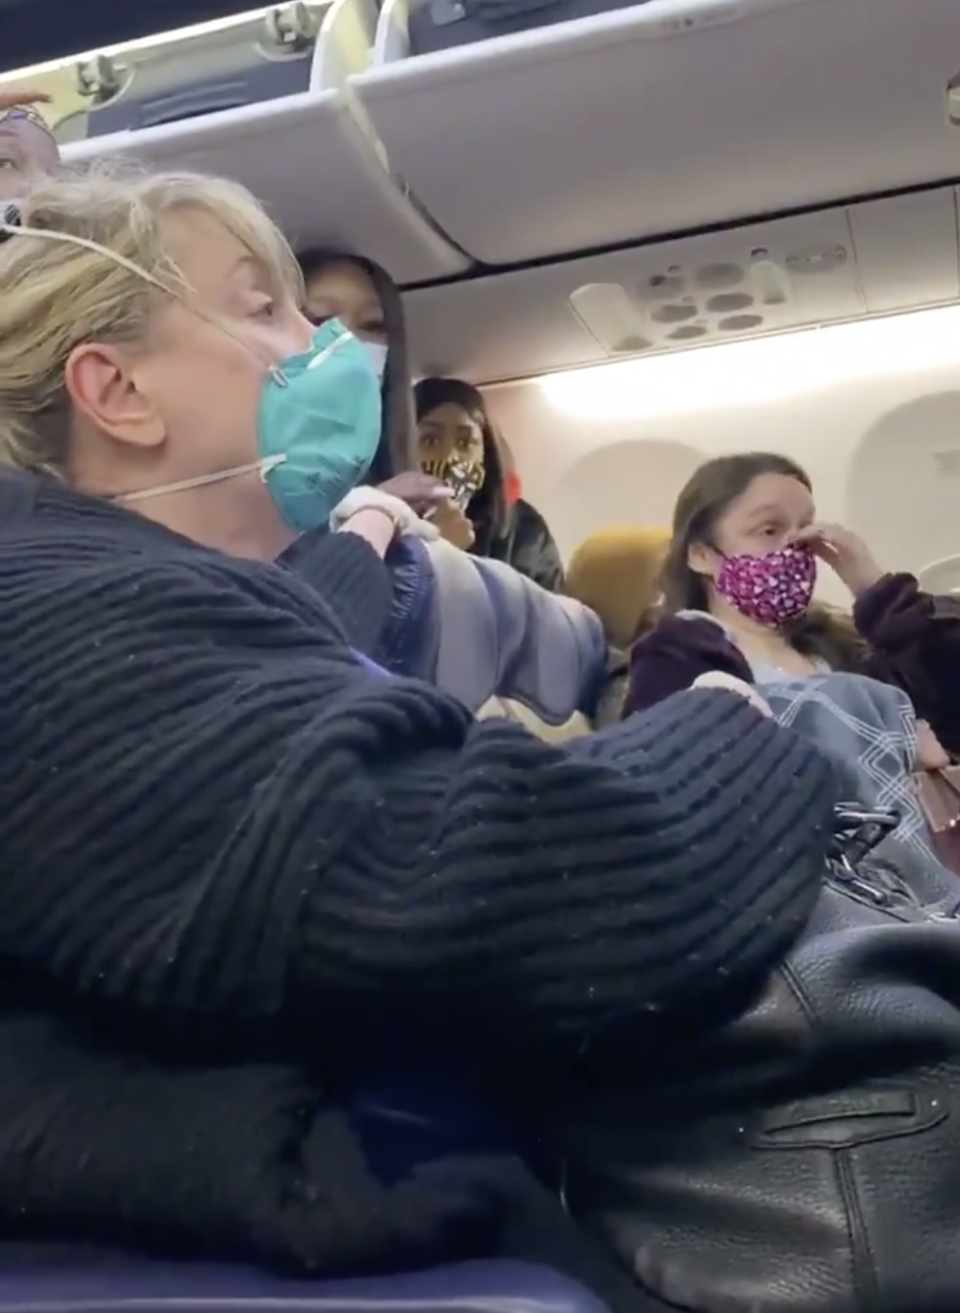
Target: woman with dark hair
pixel 362 295
pixel 737 588
pixel 446 607
pixel 460 445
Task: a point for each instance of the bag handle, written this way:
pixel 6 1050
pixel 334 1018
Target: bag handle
pixel 857 830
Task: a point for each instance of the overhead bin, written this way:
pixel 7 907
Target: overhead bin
pixel 669 116
pixel 894 254
pixel 313 162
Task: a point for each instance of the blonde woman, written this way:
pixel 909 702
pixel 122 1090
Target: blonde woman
pixel 218 820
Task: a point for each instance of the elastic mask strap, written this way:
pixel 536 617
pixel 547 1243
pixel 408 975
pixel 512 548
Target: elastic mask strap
pixel 280 378
pixel 261 467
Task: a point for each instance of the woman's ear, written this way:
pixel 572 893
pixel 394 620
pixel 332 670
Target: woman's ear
pixel 103 384
pixel 702 559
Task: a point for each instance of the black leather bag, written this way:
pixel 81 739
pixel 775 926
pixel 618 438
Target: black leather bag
pixel 806 1159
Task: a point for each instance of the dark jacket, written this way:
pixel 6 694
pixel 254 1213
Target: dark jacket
pixel 253 1162
pixel 525 542
pixel 474 628
pixel 243 873
pixel 912 637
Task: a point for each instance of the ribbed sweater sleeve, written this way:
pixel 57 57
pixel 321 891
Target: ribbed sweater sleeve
pixel 212 812
pixel 352 579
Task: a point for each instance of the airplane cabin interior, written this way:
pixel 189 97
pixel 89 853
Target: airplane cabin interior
pixel 651 232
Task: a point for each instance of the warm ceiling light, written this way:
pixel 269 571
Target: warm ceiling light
pixel 760 370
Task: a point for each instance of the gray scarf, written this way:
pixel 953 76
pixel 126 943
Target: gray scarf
pixel 869 729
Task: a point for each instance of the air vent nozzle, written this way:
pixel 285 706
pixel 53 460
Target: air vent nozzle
pixel 947 462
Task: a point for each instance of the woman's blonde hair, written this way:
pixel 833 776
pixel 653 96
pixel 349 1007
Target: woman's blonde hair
pixel 90 262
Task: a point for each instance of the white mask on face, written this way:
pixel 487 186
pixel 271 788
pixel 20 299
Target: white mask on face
pixel 377 353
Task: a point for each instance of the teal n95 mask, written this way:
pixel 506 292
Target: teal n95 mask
pixel 318 426
pixel 318 429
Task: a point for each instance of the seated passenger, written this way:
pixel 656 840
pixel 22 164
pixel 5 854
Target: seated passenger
pixel 738 583
pixel 616 573
pixel 230 845
pixel 459 444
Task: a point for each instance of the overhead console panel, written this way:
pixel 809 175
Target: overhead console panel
pixel 841 263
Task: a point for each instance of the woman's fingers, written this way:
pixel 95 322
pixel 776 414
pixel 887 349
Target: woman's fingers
pixel 11 99
pixel 417 489
pixel 931 755
pixel 731 684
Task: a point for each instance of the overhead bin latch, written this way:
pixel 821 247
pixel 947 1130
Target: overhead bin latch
pixel 291 29
pixel 953 101
pixel 99 79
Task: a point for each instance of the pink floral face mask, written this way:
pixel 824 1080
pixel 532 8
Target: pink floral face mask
pixel 770 589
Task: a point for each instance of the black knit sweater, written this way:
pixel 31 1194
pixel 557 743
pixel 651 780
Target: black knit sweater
pixel 216 822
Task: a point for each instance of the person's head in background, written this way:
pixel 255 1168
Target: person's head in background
pixel 28 150
pixel 616 572
pixel 736 551
pixel 459 444
pixel 153 352
pixel 363 296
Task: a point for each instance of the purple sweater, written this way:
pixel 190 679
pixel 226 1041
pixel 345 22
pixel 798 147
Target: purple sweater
pixel 913 641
